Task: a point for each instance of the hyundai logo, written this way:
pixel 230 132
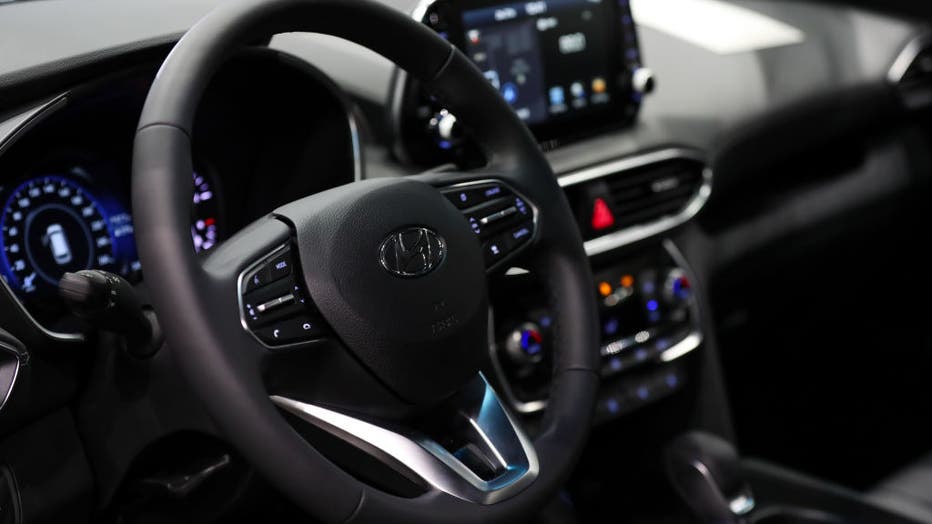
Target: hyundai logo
pixel 412 252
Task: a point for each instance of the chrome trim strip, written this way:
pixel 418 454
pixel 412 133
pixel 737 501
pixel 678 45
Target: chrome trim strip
pixel 20 358
pixel 906 57
pixel 428 459
pixel 694 339
pixel 640 232
pixel 683 347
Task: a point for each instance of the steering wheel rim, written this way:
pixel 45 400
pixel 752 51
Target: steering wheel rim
pixel 196 303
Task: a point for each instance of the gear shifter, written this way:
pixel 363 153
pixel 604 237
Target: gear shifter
pixel 704 470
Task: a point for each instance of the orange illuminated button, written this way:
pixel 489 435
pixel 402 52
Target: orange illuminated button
pixel 598 85
pixel 602 217
pixel 627 281
pixel 605 289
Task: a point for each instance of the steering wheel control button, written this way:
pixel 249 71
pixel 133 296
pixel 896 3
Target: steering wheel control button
pixel 280 266
pixel 257 279
pixel 275 308
pixel 501 218
pixel 275 303
pixel 296 329
pixel 498 215
pixel 494 250
pixel 520 234
pixel 473 196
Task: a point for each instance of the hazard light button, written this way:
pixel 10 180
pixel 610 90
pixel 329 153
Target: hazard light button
pixel 602 216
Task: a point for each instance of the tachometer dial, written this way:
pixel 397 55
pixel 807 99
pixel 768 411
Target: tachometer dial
pixel 205 230
pixel 51 225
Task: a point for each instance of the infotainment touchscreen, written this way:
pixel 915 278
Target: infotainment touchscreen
pixel 550 59
pixel 569 68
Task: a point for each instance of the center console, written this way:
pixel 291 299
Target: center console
pixel 719 486
pixel 568 68
pixel 649 315
pixel 649 322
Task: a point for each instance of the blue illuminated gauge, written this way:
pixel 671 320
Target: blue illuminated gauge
pixel 205 230
pixel 52 225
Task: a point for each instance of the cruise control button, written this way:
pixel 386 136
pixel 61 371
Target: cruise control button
pixel 521 233
pixel 473 196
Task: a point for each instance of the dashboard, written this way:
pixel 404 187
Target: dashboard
pixel 568 68
pixel 673 181
pixel 65 185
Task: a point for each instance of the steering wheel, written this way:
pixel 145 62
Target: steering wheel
pixel 338 342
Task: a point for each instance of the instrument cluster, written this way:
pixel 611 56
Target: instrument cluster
pixel 269 129
pixel 78 217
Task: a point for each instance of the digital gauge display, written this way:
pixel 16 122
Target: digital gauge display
pixel 52 225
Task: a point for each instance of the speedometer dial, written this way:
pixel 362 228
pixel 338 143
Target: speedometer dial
pixel 52 225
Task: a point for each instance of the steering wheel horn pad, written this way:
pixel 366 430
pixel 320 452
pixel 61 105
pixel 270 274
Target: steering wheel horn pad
pixel 423 337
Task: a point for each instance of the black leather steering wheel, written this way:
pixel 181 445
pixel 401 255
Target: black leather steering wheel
pixel 396 275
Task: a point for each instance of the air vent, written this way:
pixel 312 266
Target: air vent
pixel 911 73
pixel 633 198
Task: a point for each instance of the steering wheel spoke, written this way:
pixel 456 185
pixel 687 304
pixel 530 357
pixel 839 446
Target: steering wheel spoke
pixel 469 447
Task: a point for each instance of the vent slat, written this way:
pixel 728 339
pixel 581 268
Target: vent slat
pixel 639 196
pixel 653 213
pixel 645 199
pixel 620 181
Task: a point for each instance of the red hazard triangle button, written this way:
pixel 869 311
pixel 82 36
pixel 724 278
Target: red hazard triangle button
pixel 602 217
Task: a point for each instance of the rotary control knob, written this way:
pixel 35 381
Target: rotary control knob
pixel 445 130
pixel 677 289
pixel 525 345
pixel 642 81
